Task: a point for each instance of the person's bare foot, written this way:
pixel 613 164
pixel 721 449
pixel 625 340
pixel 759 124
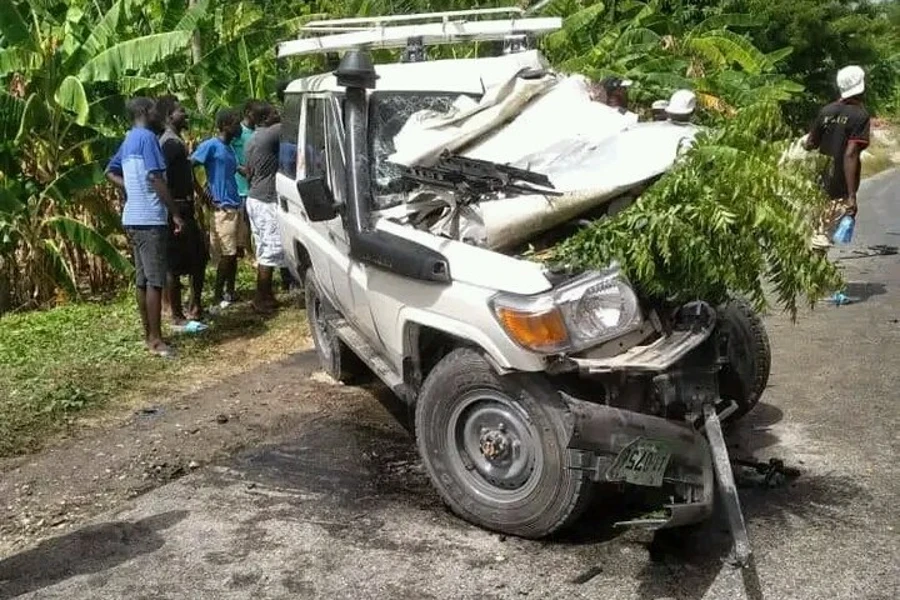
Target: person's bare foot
pixel 160 348
pixel 265 305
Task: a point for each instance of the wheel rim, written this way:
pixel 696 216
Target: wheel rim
pixel 320 328
pixel 495 448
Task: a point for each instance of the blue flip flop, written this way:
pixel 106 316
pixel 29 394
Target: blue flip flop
pixel 840 299
pixel 190 327
pixel 195 327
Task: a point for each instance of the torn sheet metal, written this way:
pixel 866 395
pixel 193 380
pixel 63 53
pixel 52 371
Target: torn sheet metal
pixel 545 123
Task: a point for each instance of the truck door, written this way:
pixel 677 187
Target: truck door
pixel 348 276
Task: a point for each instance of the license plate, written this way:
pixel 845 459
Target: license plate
pixel 642 462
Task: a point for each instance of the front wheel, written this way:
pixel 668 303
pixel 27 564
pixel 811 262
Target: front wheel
pixel 496 451
pixel 745 377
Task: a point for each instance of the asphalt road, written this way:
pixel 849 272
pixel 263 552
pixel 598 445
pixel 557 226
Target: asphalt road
pixel 342 509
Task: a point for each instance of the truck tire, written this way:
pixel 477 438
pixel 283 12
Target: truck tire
pixel 495 448
pixel 746 375
pixel 336 358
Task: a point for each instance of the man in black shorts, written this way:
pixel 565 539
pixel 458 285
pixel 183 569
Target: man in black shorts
pixel 187 251
pixel 841 132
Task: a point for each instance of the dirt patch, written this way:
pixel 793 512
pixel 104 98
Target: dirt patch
pixel 884 151
pixel 145 444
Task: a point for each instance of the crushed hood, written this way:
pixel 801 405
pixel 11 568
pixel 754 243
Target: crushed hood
pixel 543 122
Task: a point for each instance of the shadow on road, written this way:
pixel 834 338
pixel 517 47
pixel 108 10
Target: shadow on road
pixel 89 550
pixel 753 434
pixel 860 291
pixel 684 563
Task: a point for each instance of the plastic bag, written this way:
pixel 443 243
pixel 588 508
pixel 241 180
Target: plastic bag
pixel 844 232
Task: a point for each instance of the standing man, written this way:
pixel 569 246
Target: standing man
pixel 187 251
pixel 841 132
pixel 254 113
pixel 138 168
pixel 262 166
pixel 220 163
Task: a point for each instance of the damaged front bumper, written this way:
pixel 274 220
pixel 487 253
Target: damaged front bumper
pixel 616 445
pixel 623 446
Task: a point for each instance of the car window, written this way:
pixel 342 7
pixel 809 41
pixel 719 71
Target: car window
pixel 314 138
pixel 290 129
pixel 388 112
pixel 334 145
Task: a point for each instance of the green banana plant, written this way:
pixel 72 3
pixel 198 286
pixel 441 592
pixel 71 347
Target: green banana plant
pixel 638 41
pixel 57 59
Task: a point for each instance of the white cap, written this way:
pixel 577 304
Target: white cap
pixel 660 105
pixel 682 102
pixel 851 81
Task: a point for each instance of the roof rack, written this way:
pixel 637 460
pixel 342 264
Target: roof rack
pixel 431 28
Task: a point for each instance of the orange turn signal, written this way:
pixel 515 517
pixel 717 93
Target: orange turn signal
pixel 542 331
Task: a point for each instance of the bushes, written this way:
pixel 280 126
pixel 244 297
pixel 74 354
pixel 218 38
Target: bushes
pixel 728 219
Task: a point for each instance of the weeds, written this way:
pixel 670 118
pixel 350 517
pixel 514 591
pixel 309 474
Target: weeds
pixel 57 364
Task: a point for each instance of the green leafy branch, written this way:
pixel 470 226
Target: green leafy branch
pixel 728 219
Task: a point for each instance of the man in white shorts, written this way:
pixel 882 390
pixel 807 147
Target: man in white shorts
pixel 262 204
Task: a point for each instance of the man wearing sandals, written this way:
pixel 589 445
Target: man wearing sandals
pixel 139 169
pixel 218 159
pixel 187 251
pixel 262 165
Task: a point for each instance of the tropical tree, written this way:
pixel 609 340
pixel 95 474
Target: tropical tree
pixel 66 66
pixel 662 53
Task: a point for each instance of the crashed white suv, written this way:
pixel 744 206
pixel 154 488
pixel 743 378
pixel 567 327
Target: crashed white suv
pixel 532 389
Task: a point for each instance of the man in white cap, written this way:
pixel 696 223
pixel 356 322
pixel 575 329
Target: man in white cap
pixel 658 109
pixel 841 132
pixel 681 106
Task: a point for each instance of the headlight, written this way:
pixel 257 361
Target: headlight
pixel 590 309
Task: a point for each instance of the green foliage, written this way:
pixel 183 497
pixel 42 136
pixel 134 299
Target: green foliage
pixel 49 159
pixel 67 67
pixel 53 363
pixel 728 219
pixel 824 35
pixel 645 42
pixel 58 363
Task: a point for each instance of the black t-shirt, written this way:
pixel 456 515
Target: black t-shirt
pixel 178 166
pixel 262 161
pixel 838 124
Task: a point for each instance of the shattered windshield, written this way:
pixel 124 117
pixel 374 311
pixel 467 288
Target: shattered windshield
pixel 388 112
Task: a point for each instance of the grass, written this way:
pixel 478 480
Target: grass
pixel 883 153
pixel 61 365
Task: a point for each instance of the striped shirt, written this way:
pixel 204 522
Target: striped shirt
pixel 137 157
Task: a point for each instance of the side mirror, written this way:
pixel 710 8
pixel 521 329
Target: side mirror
pixel 318 201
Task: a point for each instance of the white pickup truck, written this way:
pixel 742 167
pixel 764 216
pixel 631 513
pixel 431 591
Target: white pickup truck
pixel 532 389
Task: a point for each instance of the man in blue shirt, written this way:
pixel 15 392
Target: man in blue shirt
pixel 139 169
pixel 220 162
